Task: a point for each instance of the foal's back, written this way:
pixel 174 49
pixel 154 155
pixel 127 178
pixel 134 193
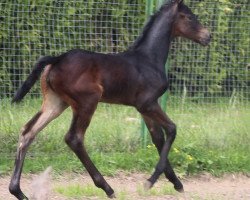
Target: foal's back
pixel 116 76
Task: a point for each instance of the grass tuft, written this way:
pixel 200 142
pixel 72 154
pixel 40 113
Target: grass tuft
pixel 77 191
pixel 162 191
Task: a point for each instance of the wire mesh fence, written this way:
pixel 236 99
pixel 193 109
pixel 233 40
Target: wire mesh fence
pixel 221 71
pixel 33 28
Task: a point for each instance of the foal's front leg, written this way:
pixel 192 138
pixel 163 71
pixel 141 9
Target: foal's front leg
pixel 154 113
pixel 158 139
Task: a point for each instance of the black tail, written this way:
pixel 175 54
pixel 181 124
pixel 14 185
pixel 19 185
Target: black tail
pixel 33 77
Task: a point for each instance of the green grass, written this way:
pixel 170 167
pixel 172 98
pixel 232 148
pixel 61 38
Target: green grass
pixel 78 191
pixel 211 137
pixel 162 191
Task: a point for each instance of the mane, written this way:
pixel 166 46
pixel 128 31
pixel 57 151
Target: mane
pixel 148 25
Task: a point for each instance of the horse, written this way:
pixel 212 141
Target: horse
pixel 136 77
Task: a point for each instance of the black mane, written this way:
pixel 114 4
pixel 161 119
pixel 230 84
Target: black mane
pixel 149 24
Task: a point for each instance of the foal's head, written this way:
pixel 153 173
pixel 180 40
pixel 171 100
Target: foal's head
pixel 187 25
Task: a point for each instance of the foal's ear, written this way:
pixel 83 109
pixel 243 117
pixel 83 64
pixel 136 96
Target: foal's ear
pixel 178 1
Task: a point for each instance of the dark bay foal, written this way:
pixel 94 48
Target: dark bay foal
pixel 80 79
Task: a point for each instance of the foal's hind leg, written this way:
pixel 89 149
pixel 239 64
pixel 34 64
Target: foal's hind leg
pixel 82 114
pixel 52 107
pixel 158 139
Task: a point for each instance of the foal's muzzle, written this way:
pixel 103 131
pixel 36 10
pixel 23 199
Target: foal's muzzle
pixel 204 37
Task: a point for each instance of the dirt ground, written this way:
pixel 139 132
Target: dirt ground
pixel 207 187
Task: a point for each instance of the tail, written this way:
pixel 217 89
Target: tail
pixel 33 77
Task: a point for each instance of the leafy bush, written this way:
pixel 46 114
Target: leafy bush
pixel 31 29
pixel 34 28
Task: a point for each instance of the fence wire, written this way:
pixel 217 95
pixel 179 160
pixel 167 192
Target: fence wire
pixel 33 28
pixel 219 72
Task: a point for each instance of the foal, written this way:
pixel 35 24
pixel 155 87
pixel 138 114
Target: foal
pixel 80 79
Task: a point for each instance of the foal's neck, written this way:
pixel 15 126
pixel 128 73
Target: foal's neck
pixel 156 37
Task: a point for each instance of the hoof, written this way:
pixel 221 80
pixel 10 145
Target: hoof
pixel 112 196
pixel 179 188
pixel 147 185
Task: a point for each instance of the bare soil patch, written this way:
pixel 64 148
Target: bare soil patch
pixel 205 186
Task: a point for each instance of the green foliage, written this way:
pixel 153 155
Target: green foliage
pixel 31 29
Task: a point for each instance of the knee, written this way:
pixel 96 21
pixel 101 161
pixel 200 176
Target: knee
pixel 171 130
pixel 73 141
pixel 145 107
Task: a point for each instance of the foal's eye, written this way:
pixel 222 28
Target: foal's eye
pixel 190 18
pixel 182 16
